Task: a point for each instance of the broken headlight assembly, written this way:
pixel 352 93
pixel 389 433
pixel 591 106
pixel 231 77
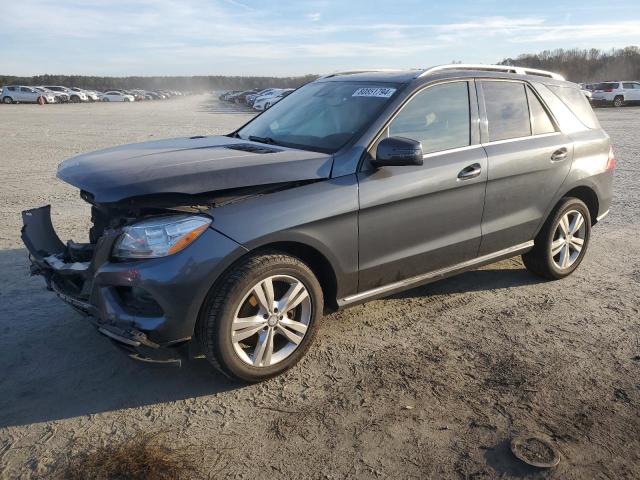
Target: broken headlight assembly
pixel 159 236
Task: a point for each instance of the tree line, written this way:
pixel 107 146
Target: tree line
pixel 584 65
pixel 193 84
pixel 579 65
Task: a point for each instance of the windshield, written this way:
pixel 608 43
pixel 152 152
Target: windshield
pixel 321 116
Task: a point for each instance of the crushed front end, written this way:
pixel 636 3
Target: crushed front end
pixel 146 306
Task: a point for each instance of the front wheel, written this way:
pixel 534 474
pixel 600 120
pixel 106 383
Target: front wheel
pixel 7 100
pixel 618 101
pixel 262 317
pixel 563 241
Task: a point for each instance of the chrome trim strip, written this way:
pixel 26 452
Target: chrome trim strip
pixel 517 139
pixel 492 68
pixel 602 216
pixel 434 274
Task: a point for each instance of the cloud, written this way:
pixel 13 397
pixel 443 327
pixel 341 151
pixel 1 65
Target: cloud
pixel 226 36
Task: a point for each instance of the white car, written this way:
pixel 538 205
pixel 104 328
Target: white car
pixel 74 97
pixel 23 94
pixel 115 96
pixel 59 97
pixel 616 93
pixel 91 95
pixel 266 101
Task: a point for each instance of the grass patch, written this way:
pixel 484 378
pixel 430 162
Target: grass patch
pixel 143 457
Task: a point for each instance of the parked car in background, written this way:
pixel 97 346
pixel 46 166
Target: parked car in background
pixel 25 94
pixel 92 96
pixel 116 96
pixel 254 96
pixel 241 98
pixel 60 97
pixel 264 102
pixel 74 97
pixel 354 187
pixel 616 93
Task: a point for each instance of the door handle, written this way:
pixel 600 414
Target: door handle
pixel 472 171
pixel 559 154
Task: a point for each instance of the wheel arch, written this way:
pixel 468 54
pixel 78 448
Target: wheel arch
pixel 589 197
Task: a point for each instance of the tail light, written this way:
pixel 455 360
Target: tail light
pixel 611 160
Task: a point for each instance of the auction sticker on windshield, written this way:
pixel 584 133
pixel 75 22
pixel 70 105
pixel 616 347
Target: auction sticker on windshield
pixel 374 92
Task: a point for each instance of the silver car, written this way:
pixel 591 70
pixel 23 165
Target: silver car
pixel 24 94
pixel 617 94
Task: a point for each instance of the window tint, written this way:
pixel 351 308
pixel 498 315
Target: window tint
pixel 438 117
pixel 25 89
pixel 627 85
pixel 578 103
pixel 540 121
pixel 507 110
pixel 606 86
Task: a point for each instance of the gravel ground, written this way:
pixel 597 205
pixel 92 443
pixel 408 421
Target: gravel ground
pixel 431 383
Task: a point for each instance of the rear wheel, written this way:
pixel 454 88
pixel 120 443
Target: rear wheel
pixel 7 100
pixel 618 101
pixel 563 241
pixel 262 318
pixel 75 99
pixel 105 99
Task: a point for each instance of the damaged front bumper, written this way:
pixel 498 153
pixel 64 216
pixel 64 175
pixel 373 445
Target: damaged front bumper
pixel 148 308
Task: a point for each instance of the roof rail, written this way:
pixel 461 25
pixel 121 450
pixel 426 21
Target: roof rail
pixel 362 70
pixel 492 68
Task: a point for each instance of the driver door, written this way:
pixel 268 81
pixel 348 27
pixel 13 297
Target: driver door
pixel 417 219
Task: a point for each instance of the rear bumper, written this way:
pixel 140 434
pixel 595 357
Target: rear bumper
pixel 146 307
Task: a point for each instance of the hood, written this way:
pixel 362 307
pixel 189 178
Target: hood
pixel 188 166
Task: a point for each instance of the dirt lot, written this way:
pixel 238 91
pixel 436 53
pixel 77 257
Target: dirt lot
pixel 432 383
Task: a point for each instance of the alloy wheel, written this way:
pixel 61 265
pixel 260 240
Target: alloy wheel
pixel 271 320
pixel 568 239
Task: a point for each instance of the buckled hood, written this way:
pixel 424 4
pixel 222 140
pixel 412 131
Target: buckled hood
pixel 189 166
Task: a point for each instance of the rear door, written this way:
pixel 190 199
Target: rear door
pixel 528 159
pixel 417 219
pixel 631 91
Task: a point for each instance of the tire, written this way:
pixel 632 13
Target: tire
pixel 75 99
pixel 555 255
pixel 7 100
pixel 106 100
pixel 618 101
pixel 233 297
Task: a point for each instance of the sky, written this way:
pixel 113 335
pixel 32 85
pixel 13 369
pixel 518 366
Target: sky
pixel 270 37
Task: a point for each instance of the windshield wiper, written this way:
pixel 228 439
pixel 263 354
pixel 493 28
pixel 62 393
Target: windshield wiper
pixel 267 140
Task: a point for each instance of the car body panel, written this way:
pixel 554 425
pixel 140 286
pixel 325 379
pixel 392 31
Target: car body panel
pixel 419 218
pixel 322 215
pixel 188 166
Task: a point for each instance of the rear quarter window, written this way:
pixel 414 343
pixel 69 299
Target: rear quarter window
pixel 578 103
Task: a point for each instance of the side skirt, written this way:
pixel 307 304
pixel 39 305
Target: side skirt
pixel 435 275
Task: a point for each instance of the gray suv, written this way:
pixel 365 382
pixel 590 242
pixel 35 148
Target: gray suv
pixel 355 186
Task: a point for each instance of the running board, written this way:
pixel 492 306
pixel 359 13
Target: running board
pixel 436 274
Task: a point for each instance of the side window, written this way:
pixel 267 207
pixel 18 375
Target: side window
pixel 540 121
pixel 507 110
pixel 438 117
pixel 25 89
pixel 578 103
pixel 627 85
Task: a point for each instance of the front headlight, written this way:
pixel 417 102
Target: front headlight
pixel 159 236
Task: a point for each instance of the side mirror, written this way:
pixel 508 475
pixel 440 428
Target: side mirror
pixel 398 151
